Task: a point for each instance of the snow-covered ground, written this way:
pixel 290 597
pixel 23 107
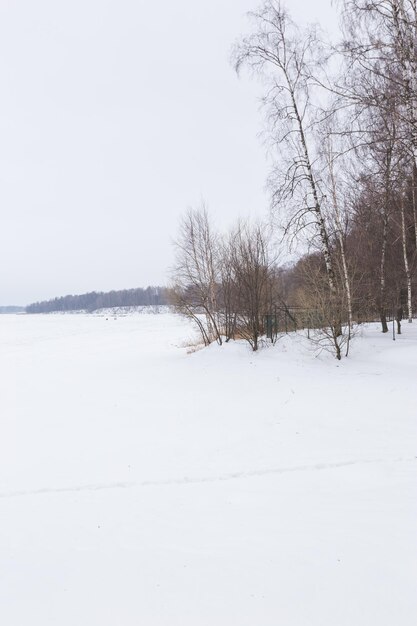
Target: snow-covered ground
pixel 141 485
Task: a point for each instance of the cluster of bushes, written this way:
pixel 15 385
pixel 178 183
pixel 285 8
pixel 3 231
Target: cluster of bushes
pixel 226 284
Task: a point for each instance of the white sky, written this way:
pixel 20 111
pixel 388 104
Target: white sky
pixel 117 115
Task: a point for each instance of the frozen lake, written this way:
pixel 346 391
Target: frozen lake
pixel 140 484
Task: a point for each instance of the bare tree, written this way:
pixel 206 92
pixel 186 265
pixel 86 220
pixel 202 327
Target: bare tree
pixel 196 274
pixel 381 39
pixel 335 182
pixel 407 267
pixel 229 291
pixel 285 57
pixel 375 135
pixel 253 278
pixel 225 285
pixel 324 309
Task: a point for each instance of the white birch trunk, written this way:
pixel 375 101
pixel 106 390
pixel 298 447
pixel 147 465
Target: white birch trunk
pixel 339 229
pixel 406 264
pixel 324 238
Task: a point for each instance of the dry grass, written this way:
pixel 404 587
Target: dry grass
pixel 193 345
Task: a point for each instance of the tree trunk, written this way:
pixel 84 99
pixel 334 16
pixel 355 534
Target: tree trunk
pixel 341 243
pixel 382 273
pixel 320 221
pixel 406 264
pixel 413 191
pixel 324 238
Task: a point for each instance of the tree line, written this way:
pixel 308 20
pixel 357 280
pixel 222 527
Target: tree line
pixel 11 309
pixel 341 120
pixel 150 296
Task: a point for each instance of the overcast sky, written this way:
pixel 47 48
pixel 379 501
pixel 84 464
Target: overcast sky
pixel 117 115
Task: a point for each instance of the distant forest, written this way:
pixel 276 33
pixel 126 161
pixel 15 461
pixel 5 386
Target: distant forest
pixel 11 309
pixel 151 296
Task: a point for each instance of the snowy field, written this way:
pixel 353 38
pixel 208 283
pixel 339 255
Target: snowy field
pixel 144 486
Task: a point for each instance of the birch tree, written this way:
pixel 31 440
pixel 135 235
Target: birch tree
pixel 335 182
pixel 407 267
pixel 285 57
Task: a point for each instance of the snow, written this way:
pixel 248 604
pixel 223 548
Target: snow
pixel 141 484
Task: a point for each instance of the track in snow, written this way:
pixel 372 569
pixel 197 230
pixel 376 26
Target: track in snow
pixel 198 480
